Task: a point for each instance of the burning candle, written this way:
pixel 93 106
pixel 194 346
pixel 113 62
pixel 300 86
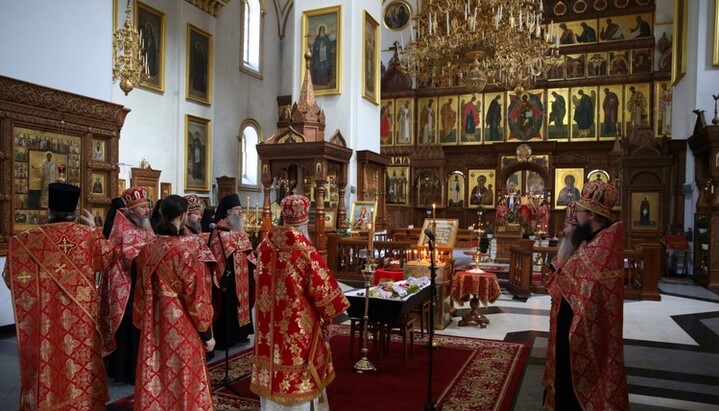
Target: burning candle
pixel 370 237
pixel 434 209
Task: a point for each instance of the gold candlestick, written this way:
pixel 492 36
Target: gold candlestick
pixel 364 365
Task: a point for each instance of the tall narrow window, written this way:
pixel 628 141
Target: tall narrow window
pixel 251 43
pixel 250 135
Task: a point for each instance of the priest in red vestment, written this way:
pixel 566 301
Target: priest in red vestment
pixel 173 310
pixel 297 296
pixel 585 355
pixel 51 272
pixel 234 275
pixel 195 210
pixel 131 230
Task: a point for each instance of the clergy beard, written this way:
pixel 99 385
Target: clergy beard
pixel 581 233
pixel 566 248
pixel 235 222
pixel 196 227
pixel 303 230
pixel 143 222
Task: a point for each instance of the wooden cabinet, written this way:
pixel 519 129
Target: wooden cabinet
pixel 148 179
pixel 226 186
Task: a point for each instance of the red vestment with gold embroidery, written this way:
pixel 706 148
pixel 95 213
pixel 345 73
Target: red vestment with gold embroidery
pixel 172 305
pixel 237 244
pixel 295 294
pixel 130 239
pixel 51 272
pixel 592 282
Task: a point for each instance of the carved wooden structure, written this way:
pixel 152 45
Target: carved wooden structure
pixel 641 271
pixel 704 143
pixel 299 155
pixel 66 117
pixel 148 179
pixel 371 182
pixel 226 186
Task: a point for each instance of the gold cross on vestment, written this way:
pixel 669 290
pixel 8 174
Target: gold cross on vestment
pixel 59 268
pixel 66 244
pixel 24 277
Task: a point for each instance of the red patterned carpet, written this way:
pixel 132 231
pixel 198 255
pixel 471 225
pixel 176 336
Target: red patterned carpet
pixel 468 374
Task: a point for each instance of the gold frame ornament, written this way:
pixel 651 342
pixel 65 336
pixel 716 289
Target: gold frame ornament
pixel 559 175
pixel 329 20
pixel 198 128
pixel 715 54
pixel 146 16
pixel 198 65
pixel 370 59
pixel 355 224
pixel 396 23
pixel 445 232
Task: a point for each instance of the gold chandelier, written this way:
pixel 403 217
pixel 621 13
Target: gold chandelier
pixel 129 62
pixel 473 43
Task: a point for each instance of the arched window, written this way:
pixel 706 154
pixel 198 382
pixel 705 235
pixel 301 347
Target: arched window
pixel 251 41
pixel 250 135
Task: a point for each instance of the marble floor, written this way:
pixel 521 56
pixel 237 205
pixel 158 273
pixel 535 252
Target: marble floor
pixel 671 349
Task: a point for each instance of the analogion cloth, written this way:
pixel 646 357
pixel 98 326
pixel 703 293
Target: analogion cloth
pixel 130 239
pixel 172 305
pixel 296 294
pixel 51 272
pixel 484 286
pixel 592 283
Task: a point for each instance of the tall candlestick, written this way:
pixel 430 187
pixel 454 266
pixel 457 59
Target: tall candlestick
pixel 257 214
pixel 434 209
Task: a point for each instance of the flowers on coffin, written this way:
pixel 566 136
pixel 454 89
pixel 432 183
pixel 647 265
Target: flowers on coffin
pixel 399 290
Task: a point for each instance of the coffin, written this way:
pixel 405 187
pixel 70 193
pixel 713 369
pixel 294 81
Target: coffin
pixel 385 310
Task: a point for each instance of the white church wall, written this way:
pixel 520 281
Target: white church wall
pixel 155 128
pixel 46 42
pixel 242 96
pixel 355 117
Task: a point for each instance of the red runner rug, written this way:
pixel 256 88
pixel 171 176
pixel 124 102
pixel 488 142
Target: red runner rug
pixel 467 374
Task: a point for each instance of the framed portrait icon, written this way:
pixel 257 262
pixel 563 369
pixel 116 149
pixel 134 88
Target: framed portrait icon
pixel 197 153
pixel 397 15
pixel 321 33
pixel 199 65
pixel 568 183
pixel 362 215
pixel 370 59
pixel 151 24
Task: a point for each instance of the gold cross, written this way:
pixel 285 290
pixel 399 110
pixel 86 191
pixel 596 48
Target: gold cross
pixel 59 267
pixel 24 277
pixel 66 244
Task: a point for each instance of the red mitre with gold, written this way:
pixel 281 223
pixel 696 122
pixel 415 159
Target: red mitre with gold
pixel 195 204
pixel 135 196
pixel 599 197
pixel 295 210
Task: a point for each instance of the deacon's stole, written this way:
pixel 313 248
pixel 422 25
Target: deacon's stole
pixel 51 272
pixel 592 282
pixel 130 239
pixel 296 294
pixel 237 244
pixel 172 305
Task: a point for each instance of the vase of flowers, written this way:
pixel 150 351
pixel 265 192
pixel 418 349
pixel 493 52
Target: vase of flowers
pixel 344 228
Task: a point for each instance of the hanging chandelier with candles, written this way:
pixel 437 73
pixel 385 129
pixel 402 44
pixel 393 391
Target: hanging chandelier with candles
pixel 474 43
pixel 129 62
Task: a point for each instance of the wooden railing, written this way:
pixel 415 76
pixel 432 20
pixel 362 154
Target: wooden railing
pixel 345 261
pixel 641 270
